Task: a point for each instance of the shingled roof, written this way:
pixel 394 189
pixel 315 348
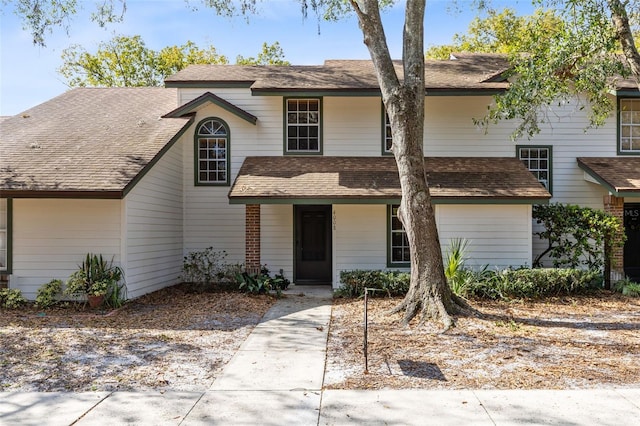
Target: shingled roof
pixel 467 72
pixel 375 179
pixel 620 175
pixel 86 142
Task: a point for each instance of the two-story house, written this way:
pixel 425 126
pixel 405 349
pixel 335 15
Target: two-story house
pixel 289 167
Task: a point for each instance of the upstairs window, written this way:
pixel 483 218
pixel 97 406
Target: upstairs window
pixel 629 132
pixel 538 160
pixel 387 139
pixel 212 152
pixel 302 126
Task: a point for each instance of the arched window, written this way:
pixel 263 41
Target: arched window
pixel 212 152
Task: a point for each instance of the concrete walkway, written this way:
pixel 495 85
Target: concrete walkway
pixel 276 378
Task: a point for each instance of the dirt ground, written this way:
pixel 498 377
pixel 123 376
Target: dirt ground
pixel 171 339
pixel 571 342
pixel 174 339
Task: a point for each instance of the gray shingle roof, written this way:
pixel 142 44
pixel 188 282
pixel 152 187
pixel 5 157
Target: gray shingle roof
pixel 621 175
pixel 467 72
pixel 376 178
pixel 87 139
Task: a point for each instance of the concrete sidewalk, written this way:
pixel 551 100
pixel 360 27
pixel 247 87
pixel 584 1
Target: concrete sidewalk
pixel 276 378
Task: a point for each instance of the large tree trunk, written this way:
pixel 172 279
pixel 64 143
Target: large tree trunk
pixel 620 19
pixel 429 295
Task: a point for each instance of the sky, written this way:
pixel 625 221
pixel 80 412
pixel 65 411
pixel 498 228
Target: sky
pixel 28 73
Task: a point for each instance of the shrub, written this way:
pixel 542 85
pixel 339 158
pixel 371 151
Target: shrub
pixel 95 276
pixel 533 283
pixel 390 283
pixel 207 267
pixel 627 287
pixel 506 284
pixel 261 282
pixel 11 298
pixel 457 276
pixel 577 235
pixel 49 293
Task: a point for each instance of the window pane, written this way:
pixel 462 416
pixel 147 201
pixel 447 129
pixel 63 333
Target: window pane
pixel 212 152
pixel 536 159
pixel 303 129
pixel 626 144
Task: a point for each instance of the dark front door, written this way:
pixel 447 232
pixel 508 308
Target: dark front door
pixel 313 245
pixel 632 245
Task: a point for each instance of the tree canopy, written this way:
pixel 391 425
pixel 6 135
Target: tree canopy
pixel 577 65
pixel 501 32
pixel 127 61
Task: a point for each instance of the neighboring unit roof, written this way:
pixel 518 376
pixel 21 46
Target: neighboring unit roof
pixel 375 180
pixel 620 175
pixel 90 142
pixel 468 72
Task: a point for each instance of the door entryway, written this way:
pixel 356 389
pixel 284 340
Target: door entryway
pixel 632 244
pixel 312 236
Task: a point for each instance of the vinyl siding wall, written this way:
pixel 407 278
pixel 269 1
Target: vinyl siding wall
pixel 352 126
pixel 153 214
pixel 276 239
pixel 498 235
pixel 52 237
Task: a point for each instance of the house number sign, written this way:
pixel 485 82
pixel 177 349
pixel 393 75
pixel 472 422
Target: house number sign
pixel 334 219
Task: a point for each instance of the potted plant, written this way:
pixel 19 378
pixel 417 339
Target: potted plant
pixel 94 279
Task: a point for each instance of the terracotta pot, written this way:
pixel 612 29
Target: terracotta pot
pixel 95 301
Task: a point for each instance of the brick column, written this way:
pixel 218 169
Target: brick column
pixel 252 238
pixel 615 270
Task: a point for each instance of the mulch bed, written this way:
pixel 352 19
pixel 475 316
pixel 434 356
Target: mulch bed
pixel 567 342
pixel 171 339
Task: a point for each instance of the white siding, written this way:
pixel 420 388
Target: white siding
pixel 153 236
pixel 209 219
pixel 276 238
pixel 352 126
pixel 498 235
pixel 52 237
pixel 359 238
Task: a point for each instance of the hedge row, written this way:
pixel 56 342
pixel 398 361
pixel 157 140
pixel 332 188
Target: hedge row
pixel 501 284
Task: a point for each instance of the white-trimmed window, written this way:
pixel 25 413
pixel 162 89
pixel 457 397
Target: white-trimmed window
pixel 4 235
pixel 303 121
pixel 399 254
pixel 212 152
pixel 538 160
pixel 387 139
pixel 629 126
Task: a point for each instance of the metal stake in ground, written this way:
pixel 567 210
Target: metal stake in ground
pixel 365 345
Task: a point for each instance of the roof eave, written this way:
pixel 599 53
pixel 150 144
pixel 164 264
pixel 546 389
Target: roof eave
pixel 204 84
pixel 66 194
pixel 386 200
